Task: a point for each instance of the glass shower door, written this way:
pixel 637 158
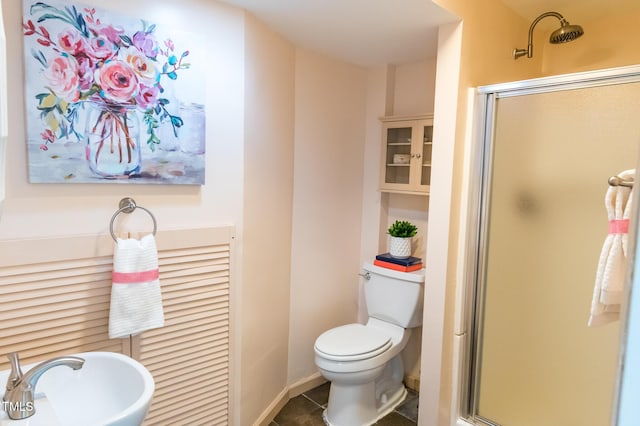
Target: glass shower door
pixel 536 361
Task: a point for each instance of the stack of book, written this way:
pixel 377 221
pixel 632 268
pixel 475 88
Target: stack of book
pixel 385 260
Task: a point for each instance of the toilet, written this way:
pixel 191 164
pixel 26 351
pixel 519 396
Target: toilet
pixel 362 361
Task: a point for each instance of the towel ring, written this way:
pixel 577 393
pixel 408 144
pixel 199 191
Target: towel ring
pixel 128 205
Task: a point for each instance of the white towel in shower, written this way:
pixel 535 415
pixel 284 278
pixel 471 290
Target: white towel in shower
pixel 611 274
pixel 136 300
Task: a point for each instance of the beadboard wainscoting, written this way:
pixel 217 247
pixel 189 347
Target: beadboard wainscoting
pixel 54 300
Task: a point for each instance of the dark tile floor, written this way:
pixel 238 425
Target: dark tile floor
pixel 306 410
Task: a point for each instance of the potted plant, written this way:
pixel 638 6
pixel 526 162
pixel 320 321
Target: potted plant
pixel 401 233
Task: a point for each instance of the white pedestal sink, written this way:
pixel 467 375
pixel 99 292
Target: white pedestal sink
pixel 111 389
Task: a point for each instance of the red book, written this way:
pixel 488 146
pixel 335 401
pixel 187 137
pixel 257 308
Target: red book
pixel 396 267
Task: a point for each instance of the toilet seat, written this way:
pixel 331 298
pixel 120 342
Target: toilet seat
pixel 352 342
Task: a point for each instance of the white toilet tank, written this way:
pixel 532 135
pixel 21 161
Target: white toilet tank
pixel 394 296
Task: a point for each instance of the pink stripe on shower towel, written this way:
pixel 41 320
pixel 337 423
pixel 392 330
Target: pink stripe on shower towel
pixel 134 277
pixel 620 226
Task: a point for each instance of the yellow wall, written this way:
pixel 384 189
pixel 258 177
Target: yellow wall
pixel 490 32
pixel 610 41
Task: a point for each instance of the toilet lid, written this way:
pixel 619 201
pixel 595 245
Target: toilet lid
pixel 352 342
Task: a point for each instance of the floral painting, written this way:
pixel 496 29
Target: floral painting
pixel 110 98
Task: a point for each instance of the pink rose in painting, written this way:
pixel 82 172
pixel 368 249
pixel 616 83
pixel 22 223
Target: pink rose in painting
pixel 71 41
pixel 147 96
pixel 146 44
pixel 101 48
pixel 144 67
pixel 118 81
pixel 63 78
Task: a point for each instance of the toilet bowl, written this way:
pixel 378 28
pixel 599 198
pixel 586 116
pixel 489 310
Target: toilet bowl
pixel 365 369
pixel 363 361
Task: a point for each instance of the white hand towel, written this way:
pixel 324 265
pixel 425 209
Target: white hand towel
pixel 611 274
pixel 136 300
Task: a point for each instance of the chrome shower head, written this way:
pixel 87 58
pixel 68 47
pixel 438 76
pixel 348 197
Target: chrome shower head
pixel 564 34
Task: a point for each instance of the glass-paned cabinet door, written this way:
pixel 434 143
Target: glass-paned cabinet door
pixel 406 160
pixel 427 145
pixel 398 155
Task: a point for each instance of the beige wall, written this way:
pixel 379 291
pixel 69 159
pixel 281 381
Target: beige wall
pixel 337 157
pixel 327 209
pixel 414 87
pixel 490 31
pixel 267 211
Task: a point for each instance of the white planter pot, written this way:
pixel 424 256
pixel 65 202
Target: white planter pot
pixel 400 247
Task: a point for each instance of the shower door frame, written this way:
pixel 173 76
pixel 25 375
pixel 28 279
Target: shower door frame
pixel 479 194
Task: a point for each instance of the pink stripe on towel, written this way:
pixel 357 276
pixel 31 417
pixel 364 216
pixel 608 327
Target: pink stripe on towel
pixel 620 226
pixel 134 277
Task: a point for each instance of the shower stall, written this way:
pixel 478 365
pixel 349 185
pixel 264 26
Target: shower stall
pixel 536 223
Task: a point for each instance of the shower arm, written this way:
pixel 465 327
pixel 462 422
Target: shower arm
pixel 529 50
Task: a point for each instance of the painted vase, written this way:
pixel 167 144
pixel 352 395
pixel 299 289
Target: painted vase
pixel 112 140
pixel 399 247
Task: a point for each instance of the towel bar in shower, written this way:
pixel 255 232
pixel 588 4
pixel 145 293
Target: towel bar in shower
pixel 128 205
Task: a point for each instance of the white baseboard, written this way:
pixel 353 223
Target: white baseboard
pixel 286 394
pixel 306 384
pixel 273 409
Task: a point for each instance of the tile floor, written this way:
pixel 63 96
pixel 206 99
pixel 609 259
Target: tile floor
pixel 306 410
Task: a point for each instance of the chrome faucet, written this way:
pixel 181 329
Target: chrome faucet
pixel 18 399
